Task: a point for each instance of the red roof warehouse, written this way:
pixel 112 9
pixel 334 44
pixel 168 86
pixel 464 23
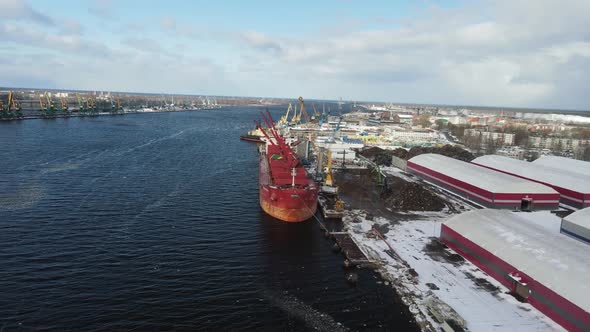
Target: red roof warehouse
pixel 487 187
pixel 574 187
pixel 547 269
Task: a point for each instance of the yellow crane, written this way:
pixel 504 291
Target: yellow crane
pixel 295 118
pixel 50 104
pixel 13 106
pixel 64 104
pixel 316 114
pixel 91 104
pixel 285 118
pixel 42 104
pixel 302 110
pixel 329 181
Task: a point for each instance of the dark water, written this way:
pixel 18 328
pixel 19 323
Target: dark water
pixel 151 222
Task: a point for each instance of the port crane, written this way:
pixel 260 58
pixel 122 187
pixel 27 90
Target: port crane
pixel 91 105
pixel 13 107
pixel 64 105
pixel 302 110
pixel 296 118
pixel 316 115
pixel 113 106
pixel 285 118
pixel 50 105
pixel 119 107
pixel 43 105
pixel 81 108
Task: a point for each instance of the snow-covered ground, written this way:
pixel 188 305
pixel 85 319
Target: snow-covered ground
pixel 425 269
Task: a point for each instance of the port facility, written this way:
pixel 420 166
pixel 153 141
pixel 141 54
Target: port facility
pixel 573 188
pixel 565 164
pixel 577 225
pixel 484 186
pixel 542 267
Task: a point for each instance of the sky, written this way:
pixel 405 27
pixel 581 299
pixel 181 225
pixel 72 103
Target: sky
pixel 508 53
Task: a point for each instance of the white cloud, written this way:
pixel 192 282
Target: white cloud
pixel 530 53
pixel 511 53
pixel 21 10
pixel 168 23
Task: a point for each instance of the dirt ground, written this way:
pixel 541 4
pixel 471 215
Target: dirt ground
pixel 358 188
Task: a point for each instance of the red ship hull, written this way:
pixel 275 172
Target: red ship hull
pixel 283 200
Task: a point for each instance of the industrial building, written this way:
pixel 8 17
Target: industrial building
pixel 574 188
pixel 577 225
pixel 540 266
pixel 487 187
pixel 565 164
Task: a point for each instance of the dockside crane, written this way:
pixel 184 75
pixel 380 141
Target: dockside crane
pixel 13 108
pixel 302 110
pixel 113 106
pixel 50 106
pixel 42 105
pixel 64 105
pixel 119 107
pixel 284 121
pixel 316 114
pixel 2 110
pixel 296 118
pixel 81 108
pixel 91 105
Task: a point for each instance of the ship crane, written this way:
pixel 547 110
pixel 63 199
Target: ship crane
pixel 285 150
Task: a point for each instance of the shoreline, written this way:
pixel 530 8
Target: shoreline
pixel 439 287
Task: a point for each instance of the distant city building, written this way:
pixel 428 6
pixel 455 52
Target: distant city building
pixel 513 152
pixel 557 143
pixel 501 138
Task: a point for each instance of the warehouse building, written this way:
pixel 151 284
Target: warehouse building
pixel 565 164
pixel 577 225
pixel 484 186
pixel 574 188
pixel 542 267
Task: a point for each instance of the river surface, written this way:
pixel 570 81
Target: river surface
pixel 151 222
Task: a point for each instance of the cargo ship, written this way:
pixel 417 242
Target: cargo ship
pixel 286 191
